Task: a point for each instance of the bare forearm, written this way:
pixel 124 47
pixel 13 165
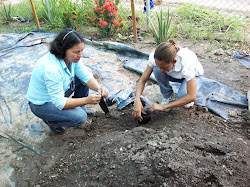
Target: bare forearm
pixel 93 84
pixel 75 102
pixel 180 102
pixel 139 89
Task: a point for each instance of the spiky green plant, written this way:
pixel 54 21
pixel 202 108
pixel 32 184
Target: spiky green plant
pixel 163 33
pixel 6 13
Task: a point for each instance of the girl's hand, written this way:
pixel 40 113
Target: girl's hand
pixel 94 98
pixel 155 107
pixel 103 91
pixel 138 109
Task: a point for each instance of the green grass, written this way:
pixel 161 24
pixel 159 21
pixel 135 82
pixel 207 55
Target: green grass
pixel 197 23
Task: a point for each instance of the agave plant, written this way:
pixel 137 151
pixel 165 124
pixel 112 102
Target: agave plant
pixel 163 33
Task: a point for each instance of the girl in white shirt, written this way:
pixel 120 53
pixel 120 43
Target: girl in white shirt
pixel 171 63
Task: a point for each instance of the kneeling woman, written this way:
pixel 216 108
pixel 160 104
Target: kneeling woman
pixel 171 63
pixel 56 76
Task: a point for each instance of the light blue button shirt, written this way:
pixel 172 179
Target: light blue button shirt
pixel 51 78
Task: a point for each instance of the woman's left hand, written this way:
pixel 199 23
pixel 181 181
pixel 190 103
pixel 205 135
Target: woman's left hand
pixel 155 106
pixel 103 91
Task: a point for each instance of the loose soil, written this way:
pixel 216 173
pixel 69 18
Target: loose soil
pixel 178 148
pixel 182 147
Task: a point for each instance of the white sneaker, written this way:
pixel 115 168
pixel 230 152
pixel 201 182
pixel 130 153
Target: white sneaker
pixel 167 100
pixel 189 105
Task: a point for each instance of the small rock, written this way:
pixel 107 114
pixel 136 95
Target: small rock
pixel 164 184
pixel 205 109
pixel 219 52
pixel 233 113
pixel 226 60
pixel 129 146
pixel 229 52
pixel 140 38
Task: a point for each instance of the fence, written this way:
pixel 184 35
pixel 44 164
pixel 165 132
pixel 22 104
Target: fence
pixel 231 8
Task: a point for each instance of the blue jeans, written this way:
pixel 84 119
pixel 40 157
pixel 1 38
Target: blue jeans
pixel 166 89
pixel 68 117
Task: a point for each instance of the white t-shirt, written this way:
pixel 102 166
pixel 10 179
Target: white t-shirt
pixel 187 65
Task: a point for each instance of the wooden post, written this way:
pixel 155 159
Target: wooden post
pixel 134 20
pixel 248 98
pixel 148 12
pixel 34 11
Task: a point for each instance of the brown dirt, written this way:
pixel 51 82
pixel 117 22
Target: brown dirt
pixel 179 148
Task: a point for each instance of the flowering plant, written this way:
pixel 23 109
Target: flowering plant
pixel 106 17
pixel 70 19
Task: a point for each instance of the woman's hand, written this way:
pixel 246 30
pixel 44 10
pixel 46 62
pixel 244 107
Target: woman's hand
pixel 138 109
pixel 103 91
pixel 94 98
pixel 155 107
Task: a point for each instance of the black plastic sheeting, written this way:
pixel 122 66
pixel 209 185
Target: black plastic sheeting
pixel 18 52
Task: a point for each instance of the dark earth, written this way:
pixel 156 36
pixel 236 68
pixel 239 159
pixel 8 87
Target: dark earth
pixel 182 147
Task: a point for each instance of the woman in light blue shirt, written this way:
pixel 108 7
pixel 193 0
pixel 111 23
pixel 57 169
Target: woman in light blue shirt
pixel 56 76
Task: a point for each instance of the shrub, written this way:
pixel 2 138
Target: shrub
pixel 106 17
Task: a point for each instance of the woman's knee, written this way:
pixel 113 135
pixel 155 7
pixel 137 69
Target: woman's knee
pixel 79 117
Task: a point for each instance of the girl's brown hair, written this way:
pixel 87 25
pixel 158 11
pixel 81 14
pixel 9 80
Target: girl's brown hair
pixel 166 51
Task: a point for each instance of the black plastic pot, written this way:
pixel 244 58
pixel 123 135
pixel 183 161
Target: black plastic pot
pixel 146 118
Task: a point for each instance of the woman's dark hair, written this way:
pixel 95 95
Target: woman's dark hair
pixel 65 40
pixel 166 51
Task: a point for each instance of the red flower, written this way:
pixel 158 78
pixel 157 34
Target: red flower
pixel 88 18
pixel 74 16
pixel 66 13
pixel 94 20
pixel 103 11
pixel 85 14
pixel 96 1
pixel 115 14
pixel 108 5
pixel 116 23
pixel 77 11
pixel 97 9
pixel 121 19
pixel 102 23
